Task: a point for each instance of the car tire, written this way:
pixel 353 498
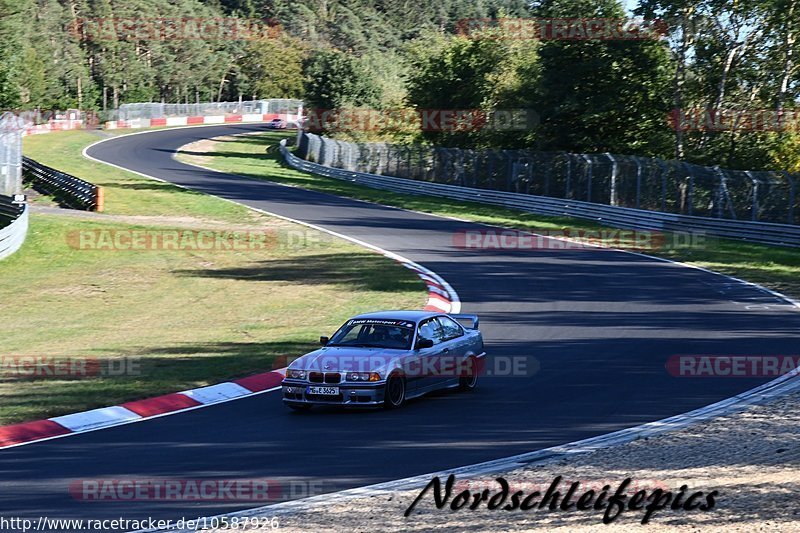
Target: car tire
pixel 300 407
pixel 470 380
pixel 395 393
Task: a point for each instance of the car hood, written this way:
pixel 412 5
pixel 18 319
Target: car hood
pixel 346 359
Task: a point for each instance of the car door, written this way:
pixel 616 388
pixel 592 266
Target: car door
pixel 452 350
pixel 426 372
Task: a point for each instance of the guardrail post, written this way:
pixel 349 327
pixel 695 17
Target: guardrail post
pixel 101 200
pixel 614 168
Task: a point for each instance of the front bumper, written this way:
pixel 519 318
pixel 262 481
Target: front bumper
pixel 350 394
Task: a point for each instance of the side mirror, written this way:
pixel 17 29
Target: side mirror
pixel 424 343
pixel 324 340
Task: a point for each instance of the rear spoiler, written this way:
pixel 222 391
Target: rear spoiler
pixel 472 319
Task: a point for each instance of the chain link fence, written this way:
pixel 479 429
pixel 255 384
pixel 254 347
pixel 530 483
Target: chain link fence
pixel 13 214
pixel 11 129
pixel 162 110
pixel 611 179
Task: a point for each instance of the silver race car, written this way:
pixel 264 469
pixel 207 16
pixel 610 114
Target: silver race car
pixel 386 358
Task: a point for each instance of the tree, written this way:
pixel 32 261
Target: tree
pixel 602 95
pixel 13 17
pixel 335 80
pixel 462 74
pixel 273 67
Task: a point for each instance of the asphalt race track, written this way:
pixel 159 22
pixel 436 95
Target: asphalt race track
pixel 598 324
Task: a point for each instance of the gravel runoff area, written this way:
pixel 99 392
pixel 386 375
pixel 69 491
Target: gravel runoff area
pixel 752 458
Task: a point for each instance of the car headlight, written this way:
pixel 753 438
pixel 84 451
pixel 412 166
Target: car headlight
pixel 295 374
pixel 363 376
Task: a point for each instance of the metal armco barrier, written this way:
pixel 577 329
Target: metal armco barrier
pixel 652 184
pixel 68 189
pixel 621 217
pixel 13 226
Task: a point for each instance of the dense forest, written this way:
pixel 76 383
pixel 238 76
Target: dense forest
pixel 736 59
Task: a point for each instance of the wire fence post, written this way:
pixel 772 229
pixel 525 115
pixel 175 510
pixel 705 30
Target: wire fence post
pixel 588 177
pixel 725 194
pixel 568 180
pixel 754 204
pixel 662 165
pixel 689 190
pixel 719 192
pixel 792 192
pixel 638 181
pixel 613 186
pixel 6 169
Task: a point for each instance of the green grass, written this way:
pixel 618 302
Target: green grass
pixel 186 318
pixel 257 156
pixel 126 193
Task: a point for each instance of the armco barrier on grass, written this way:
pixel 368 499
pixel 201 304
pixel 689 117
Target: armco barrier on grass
pixel 13 225
pixel 65 188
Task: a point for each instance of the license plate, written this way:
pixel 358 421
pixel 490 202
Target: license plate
pixel 324 391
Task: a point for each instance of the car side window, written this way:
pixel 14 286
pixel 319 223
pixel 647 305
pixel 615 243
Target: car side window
pixel 431 329
pixel 450 328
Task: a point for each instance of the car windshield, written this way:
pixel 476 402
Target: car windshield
pixel 375 333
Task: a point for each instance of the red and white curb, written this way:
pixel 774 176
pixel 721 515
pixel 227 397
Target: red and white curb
pixel 105 417
pixel 198 120
pixel 54 125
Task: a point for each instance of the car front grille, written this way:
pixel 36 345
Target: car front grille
pixel 325 377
